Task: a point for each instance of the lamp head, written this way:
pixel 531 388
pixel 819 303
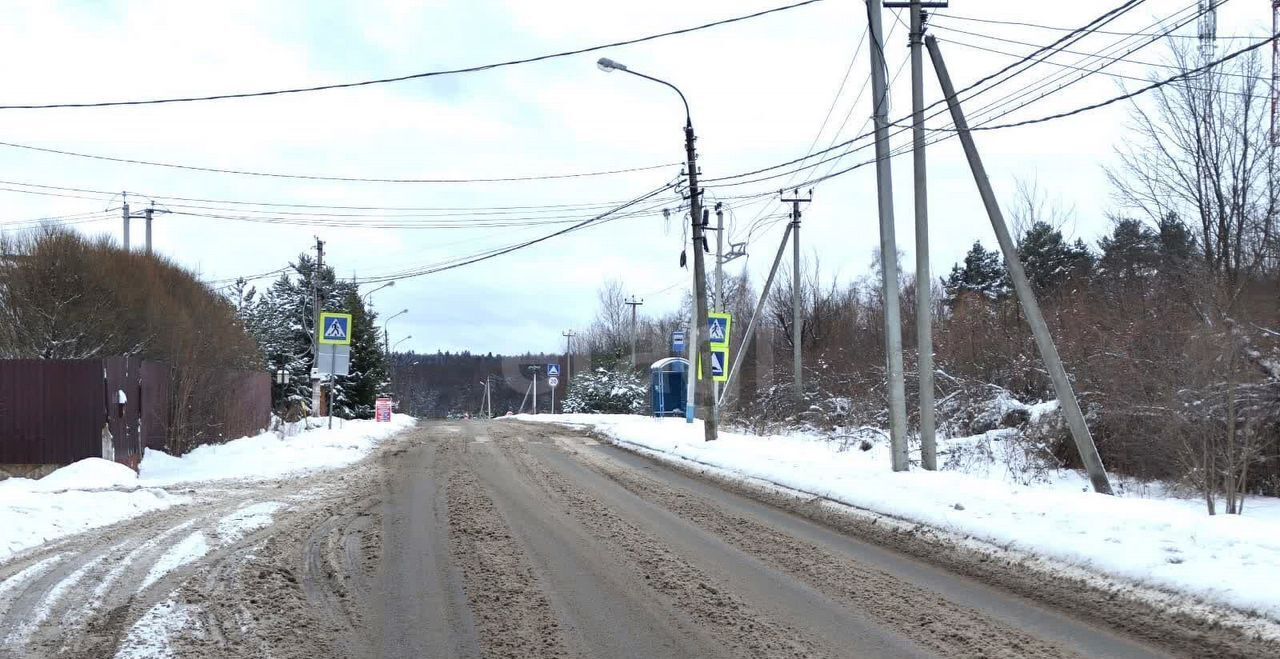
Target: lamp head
pixel 607 65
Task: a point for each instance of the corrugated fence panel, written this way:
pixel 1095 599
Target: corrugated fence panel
pixel 248 410
pixel 155 404
pixel 50 411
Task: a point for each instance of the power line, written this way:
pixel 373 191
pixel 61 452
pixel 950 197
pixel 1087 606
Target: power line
pixel 491 254
pixel 1129 95
pixel 413 76
pixel 1030 60
pixel 444 210
pixel 343 179
pixel 1056 28
pixel 1070 52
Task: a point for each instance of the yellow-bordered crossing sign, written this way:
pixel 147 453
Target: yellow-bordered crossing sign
pixel 335 329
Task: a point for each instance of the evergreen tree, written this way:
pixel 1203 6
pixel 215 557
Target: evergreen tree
pixel 1049 260
pixel 283 322
pixel 1129 254
pixel 983 274
pixel 356 394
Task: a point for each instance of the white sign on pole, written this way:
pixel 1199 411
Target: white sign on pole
pixel 334 359
pixel 553 381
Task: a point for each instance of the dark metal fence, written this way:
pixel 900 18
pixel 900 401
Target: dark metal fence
pixel 51 412
pixel 56 411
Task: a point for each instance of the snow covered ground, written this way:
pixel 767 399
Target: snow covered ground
pixel 95 492
pixel 1145 535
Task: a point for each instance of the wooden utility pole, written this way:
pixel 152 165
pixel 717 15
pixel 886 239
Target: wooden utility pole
pixel 1044 341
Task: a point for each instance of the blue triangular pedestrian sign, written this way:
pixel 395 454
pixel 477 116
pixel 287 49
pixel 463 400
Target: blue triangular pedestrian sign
pixel 553 370
pixel 717 364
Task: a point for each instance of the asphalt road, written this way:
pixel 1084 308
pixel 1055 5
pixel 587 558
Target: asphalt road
pixel 505 539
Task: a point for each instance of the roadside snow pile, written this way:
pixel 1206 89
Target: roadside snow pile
pixel 87 474
pixel 31 515
pixel 1161 541
pixel 268 456
pixel 94 492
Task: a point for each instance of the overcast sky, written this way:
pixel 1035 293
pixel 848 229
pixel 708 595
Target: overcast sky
pixel 759 91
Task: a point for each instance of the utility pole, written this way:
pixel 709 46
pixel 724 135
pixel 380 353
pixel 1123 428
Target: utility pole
pixel 1275 76
pixel 1044 341
pixel 568 355
pixel 633 303
pixel 797 306
pixel 924 281
pixel 147 214
pixel 124 206
pixel 534 388
pixel 719 305
pixel 755 315
pixel 888 243
pixel 315 327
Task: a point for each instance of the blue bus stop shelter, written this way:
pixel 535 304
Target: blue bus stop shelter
pixel 668 386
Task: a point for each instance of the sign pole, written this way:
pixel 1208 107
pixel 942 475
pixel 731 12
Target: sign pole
pixel 333 367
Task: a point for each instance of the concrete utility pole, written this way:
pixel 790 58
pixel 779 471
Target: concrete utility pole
pixel 147 214
pixel 315 328
pixel 1044 341
pixel 633 303
pixel 1275 74
pixel 719 305
pixel 755 314
pixel 568 355
pixel 924 281
pixel 124 207
pixel 697 391
pixel 797 306
pixel 888 244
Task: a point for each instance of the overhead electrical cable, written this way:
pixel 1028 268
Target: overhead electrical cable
pixel 325 177
pixel 412 76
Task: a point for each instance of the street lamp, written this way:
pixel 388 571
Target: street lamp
pixel 698 392
pixel 385 340
pixel 366 295
pixel 402 341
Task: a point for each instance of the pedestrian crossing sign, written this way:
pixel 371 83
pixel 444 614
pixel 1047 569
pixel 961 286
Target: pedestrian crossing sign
pixel 335 329
pixel 719 364
pixel 718 326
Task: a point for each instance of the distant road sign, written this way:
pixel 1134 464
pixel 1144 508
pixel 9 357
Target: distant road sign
pixel 382 410
pixel 335 329
pixel 553 381
pixel 677 342
pixel 719 326
pixel 553 370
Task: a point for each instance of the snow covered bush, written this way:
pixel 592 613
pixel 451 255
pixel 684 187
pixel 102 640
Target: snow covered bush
pixel 606 392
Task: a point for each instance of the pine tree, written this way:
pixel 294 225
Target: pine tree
pixel 356 393
pixel 1129 254
pixel 1049 260
pixel 983 274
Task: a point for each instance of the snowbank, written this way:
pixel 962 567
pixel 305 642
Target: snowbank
pixel 269 456
pixel 94 492
pixel 30 517
pixel 1155 540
